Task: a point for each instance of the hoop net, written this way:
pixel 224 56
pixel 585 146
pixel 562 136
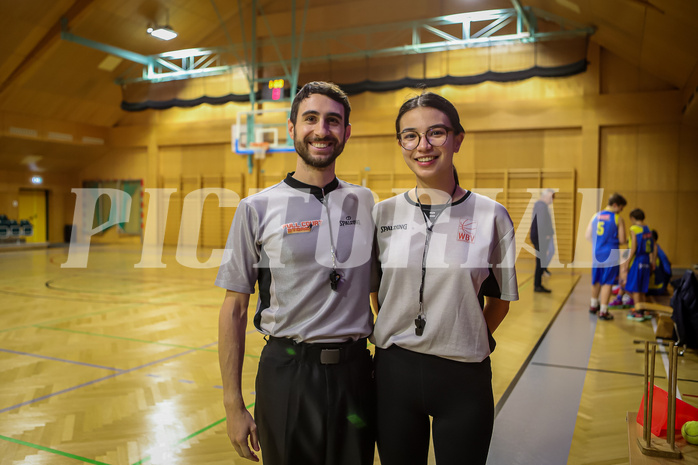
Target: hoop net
pixel 260 149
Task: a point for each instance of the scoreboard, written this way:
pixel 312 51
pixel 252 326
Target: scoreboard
pixel 275 90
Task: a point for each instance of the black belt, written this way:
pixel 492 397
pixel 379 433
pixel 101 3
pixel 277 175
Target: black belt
pixel 322 353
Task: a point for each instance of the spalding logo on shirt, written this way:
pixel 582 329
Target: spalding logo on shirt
pixel 394 227
pixel 466 230
pixel 349 222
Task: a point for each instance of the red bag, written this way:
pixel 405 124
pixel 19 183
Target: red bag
pixel 684 412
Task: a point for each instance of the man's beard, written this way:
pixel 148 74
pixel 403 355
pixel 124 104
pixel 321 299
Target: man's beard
pixel 302 149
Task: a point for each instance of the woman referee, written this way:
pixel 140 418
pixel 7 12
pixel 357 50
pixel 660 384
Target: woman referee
pixel 447 276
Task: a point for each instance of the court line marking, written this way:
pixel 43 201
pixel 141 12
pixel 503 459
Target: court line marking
pixel 123 338
pixel 92 365
pixel 88 383
pixel 51 450
pixel 526 282
pixel 611 372
pixel 194 434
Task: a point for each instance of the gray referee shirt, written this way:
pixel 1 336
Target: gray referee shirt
pixel 282 239
pixel 471 254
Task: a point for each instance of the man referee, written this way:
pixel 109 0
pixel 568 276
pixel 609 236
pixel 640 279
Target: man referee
pixel 306 242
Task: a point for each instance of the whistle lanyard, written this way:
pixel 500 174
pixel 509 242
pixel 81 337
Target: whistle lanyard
pixel 334 276
pixel 421 321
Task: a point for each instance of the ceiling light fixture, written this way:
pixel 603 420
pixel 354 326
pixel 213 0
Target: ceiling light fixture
pixel 162 32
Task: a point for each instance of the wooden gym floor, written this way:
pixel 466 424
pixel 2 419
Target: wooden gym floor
pixel 118 365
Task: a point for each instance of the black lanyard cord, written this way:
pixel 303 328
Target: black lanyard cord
pixel 421 322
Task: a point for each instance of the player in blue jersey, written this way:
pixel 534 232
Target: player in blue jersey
pixel 640 262
pixel 662 270
pixel 605 231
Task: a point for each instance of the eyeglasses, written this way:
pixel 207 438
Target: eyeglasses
pixel 436 137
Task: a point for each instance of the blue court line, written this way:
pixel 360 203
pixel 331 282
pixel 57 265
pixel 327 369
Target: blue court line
pixel 17 352
pixel 73 388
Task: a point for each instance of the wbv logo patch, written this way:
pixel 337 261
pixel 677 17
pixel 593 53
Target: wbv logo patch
pixel 466 230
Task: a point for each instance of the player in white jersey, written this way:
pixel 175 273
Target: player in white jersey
pixel 447 276
pixel 306 243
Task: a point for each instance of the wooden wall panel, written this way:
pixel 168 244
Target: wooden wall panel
pixel 174 213
pixel 510 149
pixel 375 153
pixel 562 148
pixel 213 233
pixel 619 159
pixel 657 158
pixel 688 159
pixel 189 224
pixel 237 185
pixel 170 161
pixel 686 248
pixel 651 166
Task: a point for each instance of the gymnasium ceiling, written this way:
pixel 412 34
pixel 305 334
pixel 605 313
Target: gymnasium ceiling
pixel 45 78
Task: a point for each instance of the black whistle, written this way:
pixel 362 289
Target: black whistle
pixel 334 279
pixel 419 324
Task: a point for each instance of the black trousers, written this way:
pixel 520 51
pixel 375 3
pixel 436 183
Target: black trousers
pixel 538 275
pixel 411 387
pixel 314 413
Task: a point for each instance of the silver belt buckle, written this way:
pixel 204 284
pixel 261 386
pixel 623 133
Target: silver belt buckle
pixel 329 356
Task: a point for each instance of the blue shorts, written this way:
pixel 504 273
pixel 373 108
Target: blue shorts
pixel 607 275
pixel 638 278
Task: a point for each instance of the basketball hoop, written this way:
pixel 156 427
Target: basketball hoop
pixel 260 149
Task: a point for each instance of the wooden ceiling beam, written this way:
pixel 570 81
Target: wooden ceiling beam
pixel 50 39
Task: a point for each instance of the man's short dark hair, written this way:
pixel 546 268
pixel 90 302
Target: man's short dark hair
pixel 637 214
pixel 328 89
pixel 617 199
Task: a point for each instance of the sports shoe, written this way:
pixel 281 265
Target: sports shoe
pixel 615 289
pixel 541 289
pixel 638 315
pixel 628 302
pixel 605 316
pixel 617 302
pixel 594 309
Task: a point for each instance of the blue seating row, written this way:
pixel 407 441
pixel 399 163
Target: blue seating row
pixel 11 229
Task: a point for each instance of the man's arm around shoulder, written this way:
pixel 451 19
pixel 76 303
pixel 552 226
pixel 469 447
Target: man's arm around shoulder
pixel 232 325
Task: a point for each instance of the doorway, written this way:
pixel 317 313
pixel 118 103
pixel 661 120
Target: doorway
pixel 33 206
